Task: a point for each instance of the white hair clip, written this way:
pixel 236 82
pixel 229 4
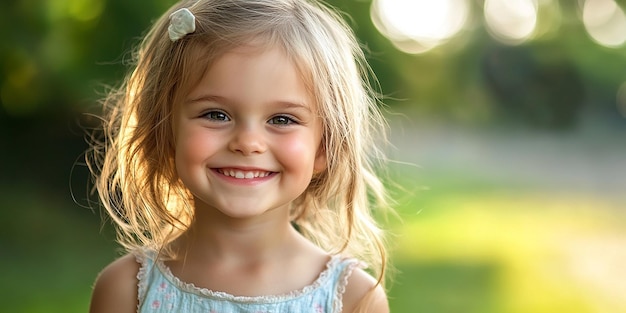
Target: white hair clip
pixel 182 22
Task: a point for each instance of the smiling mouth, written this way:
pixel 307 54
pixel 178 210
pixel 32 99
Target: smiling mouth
pixel 239 174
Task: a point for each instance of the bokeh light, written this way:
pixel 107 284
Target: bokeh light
pixel 420 25
pixel 79 10
pixel 511 21
pixel 605 22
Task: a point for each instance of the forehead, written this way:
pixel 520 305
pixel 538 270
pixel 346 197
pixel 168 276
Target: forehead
pixel 252 73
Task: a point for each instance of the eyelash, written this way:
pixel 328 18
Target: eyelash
pixel 212 115
pixel 223 117
pixel 287 120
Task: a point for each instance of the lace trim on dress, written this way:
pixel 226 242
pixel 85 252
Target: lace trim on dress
pixel 142 283
pixel 342 283
pixel 191 288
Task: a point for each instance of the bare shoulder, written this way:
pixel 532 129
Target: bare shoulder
pixel 364 295
pixel 116 287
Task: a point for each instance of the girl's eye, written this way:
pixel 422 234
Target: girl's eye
pixel 281 120
pixel 216 116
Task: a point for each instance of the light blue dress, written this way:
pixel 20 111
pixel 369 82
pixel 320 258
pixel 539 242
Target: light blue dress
pixel 160 291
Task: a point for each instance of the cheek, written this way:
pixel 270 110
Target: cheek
pixel 298 152
pixel 193 146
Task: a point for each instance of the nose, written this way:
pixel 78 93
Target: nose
pixel 247 141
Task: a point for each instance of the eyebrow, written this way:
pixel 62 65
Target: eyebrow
pixel 290 104
pixel 221 99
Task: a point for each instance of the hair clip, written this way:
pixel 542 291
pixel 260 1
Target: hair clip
pixel 182 22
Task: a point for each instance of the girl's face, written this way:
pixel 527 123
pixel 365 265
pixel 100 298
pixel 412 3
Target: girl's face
pixel 248 135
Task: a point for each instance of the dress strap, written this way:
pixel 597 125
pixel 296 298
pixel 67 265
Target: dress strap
pixel 344 270
pixel 145 258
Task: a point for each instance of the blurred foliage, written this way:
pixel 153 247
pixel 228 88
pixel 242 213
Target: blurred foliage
pixel 54 53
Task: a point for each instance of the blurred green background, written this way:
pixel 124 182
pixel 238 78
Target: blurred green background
pixel 507 122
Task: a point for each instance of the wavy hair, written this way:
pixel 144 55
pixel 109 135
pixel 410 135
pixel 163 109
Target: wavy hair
pixel 133 166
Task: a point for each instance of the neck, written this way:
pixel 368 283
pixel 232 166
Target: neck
pixel 214 236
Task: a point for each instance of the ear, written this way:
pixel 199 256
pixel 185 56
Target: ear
pixel 319 164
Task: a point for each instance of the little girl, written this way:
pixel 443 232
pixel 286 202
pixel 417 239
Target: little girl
pixel 239 165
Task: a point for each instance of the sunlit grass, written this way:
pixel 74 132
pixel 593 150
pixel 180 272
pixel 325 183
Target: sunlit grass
pixel 514 249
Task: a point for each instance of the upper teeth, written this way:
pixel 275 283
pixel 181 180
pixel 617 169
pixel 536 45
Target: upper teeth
pixel 244 174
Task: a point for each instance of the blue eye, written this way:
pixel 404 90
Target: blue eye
pixel 281 120
pixel 216 116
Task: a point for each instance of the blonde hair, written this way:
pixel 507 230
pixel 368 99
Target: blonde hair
pixel 134 167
